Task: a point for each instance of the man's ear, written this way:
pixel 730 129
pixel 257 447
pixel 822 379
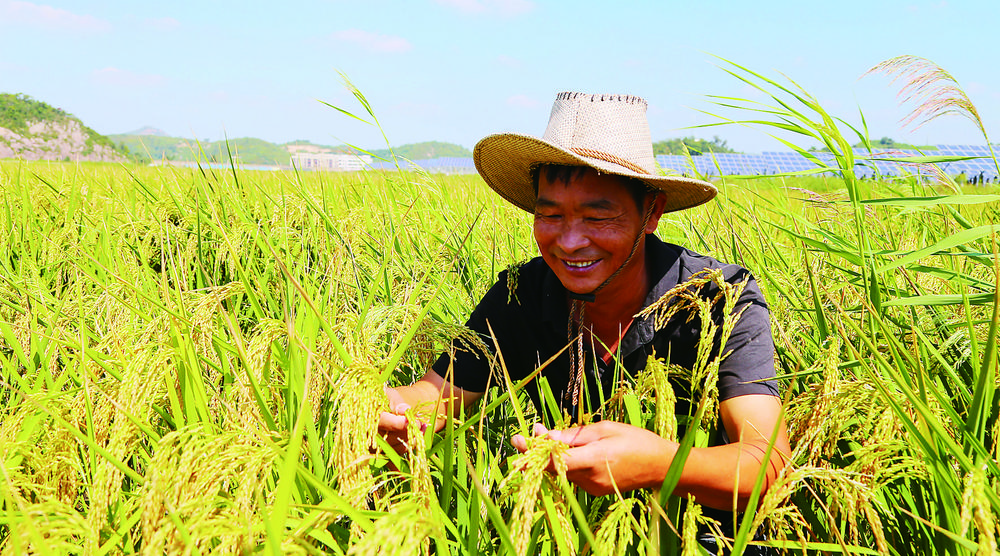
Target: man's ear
pixel 659 204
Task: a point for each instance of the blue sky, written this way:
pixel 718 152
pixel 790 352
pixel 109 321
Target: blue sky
pixel 457 70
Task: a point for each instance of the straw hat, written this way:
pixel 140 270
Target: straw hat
pixel 608 133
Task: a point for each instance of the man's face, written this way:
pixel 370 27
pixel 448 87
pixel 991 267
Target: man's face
pixel 585 229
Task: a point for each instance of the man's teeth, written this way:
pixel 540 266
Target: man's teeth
pixel 579 264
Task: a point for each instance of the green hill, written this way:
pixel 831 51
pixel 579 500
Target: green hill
pixel 883 144
pixel 149 147
pixel 152 147
pixel 37 131
pixel 248 149
pixel 18 112
pixel 426 150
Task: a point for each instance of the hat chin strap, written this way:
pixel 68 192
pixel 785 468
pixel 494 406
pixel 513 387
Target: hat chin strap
pixel 574 328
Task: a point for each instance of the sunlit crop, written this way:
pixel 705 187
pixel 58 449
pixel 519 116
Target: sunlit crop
pixel 192 362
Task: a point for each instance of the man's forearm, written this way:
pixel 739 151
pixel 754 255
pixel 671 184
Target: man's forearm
pixel 721 475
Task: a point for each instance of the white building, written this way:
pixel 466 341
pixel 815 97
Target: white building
pixel 331 162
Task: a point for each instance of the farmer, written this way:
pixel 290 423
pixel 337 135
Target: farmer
pixel 593 187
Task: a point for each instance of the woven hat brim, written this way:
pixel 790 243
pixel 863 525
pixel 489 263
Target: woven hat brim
pixel 505 161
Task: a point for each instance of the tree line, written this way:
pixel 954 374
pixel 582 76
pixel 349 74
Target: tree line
pixel 691 145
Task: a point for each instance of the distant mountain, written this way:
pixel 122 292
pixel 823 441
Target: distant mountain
pixel 154 146
pixel 692 146
pixel 33 130
pixel 246 150
pixel 426 150
pixel 148 130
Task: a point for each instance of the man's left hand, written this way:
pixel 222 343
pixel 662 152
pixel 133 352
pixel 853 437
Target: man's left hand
pixel 608 454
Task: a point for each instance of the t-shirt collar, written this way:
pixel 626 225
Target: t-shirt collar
pixel 661 260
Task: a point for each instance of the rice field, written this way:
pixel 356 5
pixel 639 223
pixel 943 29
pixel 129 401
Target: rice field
pixel 192 361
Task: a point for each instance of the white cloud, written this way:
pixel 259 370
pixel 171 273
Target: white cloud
pixel 16 12
pixel 501 7
pixel 522 101
pixel 373 41
pixel 124 78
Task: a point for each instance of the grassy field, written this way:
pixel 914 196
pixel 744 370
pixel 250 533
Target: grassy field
pixel 192 362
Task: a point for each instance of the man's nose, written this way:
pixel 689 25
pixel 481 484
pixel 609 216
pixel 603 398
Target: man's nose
pixel 573 237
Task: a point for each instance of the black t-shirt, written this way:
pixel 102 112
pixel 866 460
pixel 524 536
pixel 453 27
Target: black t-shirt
pixel 530 326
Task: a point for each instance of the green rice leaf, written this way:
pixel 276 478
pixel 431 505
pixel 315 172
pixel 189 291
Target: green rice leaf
pixel 932 201
pixel 960 238
pixel 933 300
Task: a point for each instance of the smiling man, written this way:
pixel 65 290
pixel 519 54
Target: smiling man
pixel 597 197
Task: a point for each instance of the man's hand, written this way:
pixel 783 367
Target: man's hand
pixel 392 423
pixel 608 454
pixel 431 396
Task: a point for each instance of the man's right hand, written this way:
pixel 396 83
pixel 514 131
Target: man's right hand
pixel 431 395
pixel 392 423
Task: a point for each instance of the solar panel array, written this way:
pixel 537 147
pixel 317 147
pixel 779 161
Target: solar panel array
pixel 867 164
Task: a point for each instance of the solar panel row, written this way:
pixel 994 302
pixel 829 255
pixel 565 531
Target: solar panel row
pixel 867 164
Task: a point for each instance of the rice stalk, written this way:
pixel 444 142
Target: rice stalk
pixel 49 527
pixel 977 512
pixel 203 493
pixel 687 301
pixel 128 401
pixel 618 527
pixel 37 458
pixel 360 397
pixel 410 523
pixel 936 90
pixel 689 529
pixel 256 375
pixel 653 386
pixel 401 532
pixel 421 486
pixel 843 497
pixel 525 482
